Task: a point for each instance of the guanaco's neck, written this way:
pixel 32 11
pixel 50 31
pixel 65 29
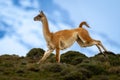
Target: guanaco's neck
pixel 46 31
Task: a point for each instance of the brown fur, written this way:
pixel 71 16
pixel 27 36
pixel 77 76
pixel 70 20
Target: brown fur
pixel 84 23
pixel 65 38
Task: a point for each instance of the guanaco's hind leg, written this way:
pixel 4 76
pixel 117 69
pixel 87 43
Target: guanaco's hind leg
pixel 99 44
pixel 93 42
pixel 103 47
pixel 46 54
pixel 80 40
pixel 80 43
pixel 99 48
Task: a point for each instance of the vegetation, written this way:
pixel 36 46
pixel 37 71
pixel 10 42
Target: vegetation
pixel 74 66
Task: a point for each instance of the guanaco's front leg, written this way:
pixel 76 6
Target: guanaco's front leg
pixel 58 55
pixel 46 54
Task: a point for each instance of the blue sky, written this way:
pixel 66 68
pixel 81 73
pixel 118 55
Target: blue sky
pixel 19 33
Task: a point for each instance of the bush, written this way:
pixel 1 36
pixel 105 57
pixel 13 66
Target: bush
pixel 76 67
pixel 74 75
pixel 94 69
pixel 86 73
pixel 113 59
pixel 35 53
pixel 9 60
pixel 32 67
pixel 52 67
pixel 9 57
pixel 114 70
pixel 100 77
pixel 99 57
pixel 72 57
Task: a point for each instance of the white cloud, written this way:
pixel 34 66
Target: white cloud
pixel 102 16
pixel 21 22
pixel 29 3
pixel 11 46
pixel 31 32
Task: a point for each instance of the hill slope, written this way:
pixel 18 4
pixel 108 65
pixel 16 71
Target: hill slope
pixel 74 66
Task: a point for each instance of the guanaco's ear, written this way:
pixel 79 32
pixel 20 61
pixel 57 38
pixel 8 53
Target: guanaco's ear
pixel 41 12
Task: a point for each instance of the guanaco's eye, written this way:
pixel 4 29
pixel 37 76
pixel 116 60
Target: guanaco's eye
pixel 39 16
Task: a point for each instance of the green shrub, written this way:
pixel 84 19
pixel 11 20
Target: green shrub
pixel 67 68
pixel 20 71
pixel 86 73
pixel 52 67
pixel 35 53
pixel 32 67
pixel 7 57
pixel 74 75
pixel 18 78
pixel 99 57
pixel 110 59
pixel 100 77
pixel 74 66
pixel 94 69
pixel 72 57
pixel 113 59
pixel 114 70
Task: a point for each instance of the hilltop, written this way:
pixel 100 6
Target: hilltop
pixel 74 66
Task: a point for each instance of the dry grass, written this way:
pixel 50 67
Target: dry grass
pixel 74 66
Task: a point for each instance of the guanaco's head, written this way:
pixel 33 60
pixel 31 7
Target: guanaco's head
pixel 39 17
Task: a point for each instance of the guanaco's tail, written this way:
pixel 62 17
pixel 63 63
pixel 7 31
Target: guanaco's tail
pixel 84 23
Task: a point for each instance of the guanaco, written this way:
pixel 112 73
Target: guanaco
pixel 65 38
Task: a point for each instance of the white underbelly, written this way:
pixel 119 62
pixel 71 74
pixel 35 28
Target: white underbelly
pixel 67 43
